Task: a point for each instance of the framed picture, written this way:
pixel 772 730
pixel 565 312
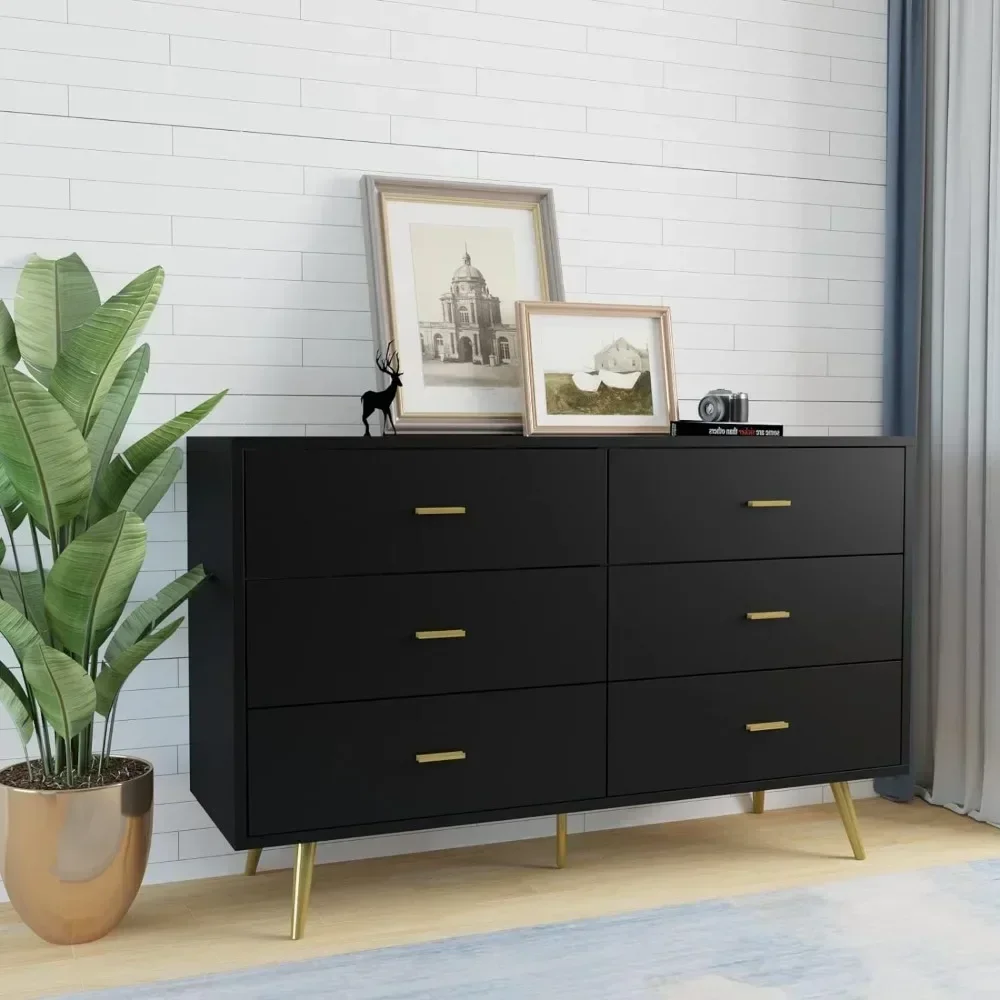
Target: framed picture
pixel 596 369
pixel 447 262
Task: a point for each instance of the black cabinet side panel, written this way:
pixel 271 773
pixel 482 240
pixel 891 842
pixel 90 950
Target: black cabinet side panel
pixel 217 709
pixel 908 736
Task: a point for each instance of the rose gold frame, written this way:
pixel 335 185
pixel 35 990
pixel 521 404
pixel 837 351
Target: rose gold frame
pixel 525 310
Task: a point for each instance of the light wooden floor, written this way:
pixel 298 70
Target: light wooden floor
pixel 189 928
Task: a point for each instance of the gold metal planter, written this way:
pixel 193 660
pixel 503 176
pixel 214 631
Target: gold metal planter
pixel 72 861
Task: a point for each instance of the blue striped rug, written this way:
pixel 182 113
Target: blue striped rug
pixel 924 935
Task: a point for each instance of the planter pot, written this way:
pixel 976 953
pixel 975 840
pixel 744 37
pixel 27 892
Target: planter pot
pixel 72 861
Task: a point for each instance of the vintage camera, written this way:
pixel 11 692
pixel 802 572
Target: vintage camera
pixel 722 406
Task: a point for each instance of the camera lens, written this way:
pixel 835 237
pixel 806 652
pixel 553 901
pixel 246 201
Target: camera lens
pixel 711 408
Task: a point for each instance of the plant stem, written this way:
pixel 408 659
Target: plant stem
pixel 94 660
pixel 104 746
pixel 85 744
pixel 64 748
pixel 44 747
pixel 85 737
pixel 111 725
pixel 38 551
pixel 44 750
pixel 17 562
pixel 85 750
pixel 48 762
pixel 67 751
pixel 41 735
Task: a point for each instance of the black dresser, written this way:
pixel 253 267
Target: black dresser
pixel 418 632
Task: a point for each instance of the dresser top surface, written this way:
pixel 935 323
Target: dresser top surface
pixel 487 441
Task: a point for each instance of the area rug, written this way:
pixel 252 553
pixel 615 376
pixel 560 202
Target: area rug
pixel 925 935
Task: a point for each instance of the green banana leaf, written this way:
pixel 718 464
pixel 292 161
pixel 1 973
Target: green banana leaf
pixel 103 437
pixel 44 454
pixel 114 482
pixel 18 631
pixel 8 495
pixel 116 672
pixel 9 352
pixel 89 363
pixel 148 489
pixel 14 699
pixel 13 516
pixel 87 587
pixel 30 581
pixel 62 688
pixel 14 512
pixel 153 611
pixel 53 298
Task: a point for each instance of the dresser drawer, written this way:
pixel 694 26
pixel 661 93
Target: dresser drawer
pixel 679 505
pixel 397 511
pixel 691 732
pixel 423 634
pixel 705 618
pixel 325 766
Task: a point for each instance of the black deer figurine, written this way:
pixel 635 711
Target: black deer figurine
pixel 382 401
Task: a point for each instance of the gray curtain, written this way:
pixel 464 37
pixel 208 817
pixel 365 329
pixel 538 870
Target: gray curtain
pixel 904 211
pixel 956 636
pixel 905 175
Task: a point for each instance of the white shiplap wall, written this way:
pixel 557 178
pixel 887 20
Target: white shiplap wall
pixel 725 157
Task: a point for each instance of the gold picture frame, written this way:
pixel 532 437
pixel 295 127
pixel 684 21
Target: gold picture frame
pixel 379 195
pixel 649 368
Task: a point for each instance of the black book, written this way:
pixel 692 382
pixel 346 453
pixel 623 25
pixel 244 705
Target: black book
pixel 703 428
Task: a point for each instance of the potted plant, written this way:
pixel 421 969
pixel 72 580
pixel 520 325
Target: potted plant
pixel 75 820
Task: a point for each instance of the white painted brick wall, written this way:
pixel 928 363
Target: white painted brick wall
pixel 724 157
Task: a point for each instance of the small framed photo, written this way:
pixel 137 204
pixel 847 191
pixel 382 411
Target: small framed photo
pixel 447 264
pixel 597 369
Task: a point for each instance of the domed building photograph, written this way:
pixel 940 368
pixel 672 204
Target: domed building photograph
pixel 465 280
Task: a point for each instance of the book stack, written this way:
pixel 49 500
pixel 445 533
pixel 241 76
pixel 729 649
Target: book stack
pixel 702 428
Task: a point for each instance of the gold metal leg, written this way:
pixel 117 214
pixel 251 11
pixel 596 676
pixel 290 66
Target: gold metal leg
pixel 253 859
pixel 561 840
pixel 845 804
pixel 758 801
pixel 305 858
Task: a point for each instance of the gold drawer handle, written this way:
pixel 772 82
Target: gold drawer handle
pixel 437 758
pixel 769 503
pixel 442 633
pixel 765 727
pixel 438 510
pixel 764 616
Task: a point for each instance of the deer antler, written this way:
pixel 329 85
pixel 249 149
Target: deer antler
pixel 392 359
pixel 389 364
